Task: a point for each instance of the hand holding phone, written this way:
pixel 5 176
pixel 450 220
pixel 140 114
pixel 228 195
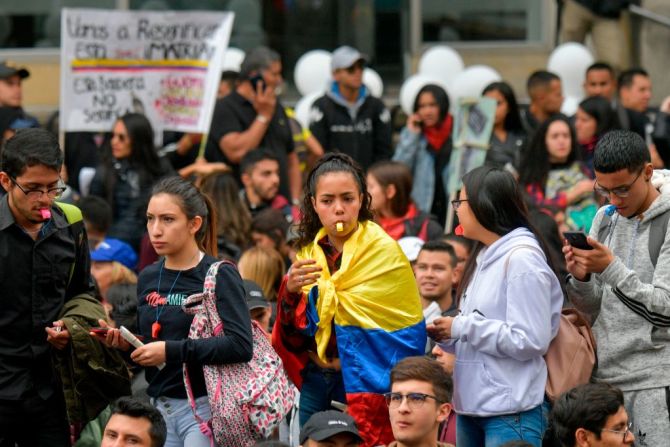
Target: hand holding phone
pixel 577 239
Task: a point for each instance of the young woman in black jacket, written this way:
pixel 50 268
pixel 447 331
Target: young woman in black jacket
pixel 182 229
pixel 129 168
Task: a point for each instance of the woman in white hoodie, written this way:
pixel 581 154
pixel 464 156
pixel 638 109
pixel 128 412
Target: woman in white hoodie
pixel 510 302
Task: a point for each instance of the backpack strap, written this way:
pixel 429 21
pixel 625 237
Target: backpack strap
pixel 208 307
pixel 76 220
pixel 657 231
pixel 604 228
pixel 519 247
pixel 417 226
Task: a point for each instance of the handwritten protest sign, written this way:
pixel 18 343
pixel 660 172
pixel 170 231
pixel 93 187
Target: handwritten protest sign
pixel 166 65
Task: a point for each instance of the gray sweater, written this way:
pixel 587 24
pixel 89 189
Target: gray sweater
pixel 633 353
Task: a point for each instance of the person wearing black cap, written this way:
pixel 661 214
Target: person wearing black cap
pixel 348 118
pixel 11 77
pixel 259 306
pixel 330 428
pixel 11 92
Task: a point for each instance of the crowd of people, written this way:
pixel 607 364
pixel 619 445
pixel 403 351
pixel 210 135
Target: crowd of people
pixel 425 333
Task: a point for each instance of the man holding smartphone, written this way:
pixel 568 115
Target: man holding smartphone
pixel 44 263
pixel 251 117
pixel 623 283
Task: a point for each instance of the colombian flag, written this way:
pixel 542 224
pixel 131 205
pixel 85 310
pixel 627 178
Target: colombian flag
pixel 373 303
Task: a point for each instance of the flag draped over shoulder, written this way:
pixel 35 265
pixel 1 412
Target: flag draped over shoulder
pixel 373 303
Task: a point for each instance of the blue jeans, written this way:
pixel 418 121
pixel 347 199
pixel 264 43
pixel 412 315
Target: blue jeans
pixel 182 428
pixel 319 387
pixel 529 426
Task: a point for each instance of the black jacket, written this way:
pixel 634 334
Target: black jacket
pixel 128 193
pixel 361 130
pixel 35 283
pixel 161 293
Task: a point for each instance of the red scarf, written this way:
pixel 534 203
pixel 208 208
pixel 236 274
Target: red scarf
pixel 437 135
pixel 395 226
pixel 589 145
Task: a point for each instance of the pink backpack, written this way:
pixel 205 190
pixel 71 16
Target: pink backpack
pixel 247 400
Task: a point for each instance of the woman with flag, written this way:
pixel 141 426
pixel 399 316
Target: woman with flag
pixel 349 307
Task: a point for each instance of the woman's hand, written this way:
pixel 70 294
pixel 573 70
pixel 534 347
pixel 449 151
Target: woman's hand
pixel 113 337
pixel 151 354
pixel 440 328
pixel 414 123
pixel 302 273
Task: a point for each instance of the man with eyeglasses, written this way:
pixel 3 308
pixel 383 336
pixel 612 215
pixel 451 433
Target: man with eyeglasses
pixel 623 282
pixel 591 415
pixel 348 118
pixel 419 401
pixel 44 262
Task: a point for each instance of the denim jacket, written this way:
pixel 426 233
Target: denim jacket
pixel 412 150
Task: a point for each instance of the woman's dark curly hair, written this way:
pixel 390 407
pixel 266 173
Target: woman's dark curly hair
pixel 310 223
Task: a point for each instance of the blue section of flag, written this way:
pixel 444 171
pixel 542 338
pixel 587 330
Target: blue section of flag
pixel 311 313
pixel 367 355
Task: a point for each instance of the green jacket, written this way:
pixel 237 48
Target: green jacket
pixel 92 374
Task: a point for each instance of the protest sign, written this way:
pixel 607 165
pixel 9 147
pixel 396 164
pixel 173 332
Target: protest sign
pixel 164 64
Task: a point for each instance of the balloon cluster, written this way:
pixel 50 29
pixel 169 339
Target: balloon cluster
pixel 443 66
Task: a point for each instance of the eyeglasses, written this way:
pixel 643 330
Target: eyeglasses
pixel 621 191
pixel 36 194
pixel 356 66
pixel 414 400
pixel 619 432
pixel 457 203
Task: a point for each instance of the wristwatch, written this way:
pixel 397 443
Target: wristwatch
pixel 262 118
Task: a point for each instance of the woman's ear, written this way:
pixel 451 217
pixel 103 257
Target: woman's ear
pixel 195 224
pixel 390 192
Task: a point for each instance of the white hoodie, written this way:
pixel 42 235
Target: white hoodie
pixel 509 314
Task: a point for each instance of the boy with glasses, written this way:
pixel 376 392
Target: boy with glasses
pixel 44 262
pixel 348 118
pixel 419 402
pixel 590 415
pixel 623 282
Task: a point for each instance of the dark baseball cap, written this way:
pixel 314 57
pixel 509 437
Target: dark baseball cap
pixel 325 424
pixel 8 69
pixel 254 295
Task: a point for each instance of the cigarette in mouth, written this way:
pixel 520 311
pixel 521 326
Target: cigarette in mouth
pixel 340 227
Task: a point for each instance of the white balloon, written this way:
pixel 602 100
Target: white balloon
pixel 570 105
pixel 374 82
pixel 570 61
pixel 470 82
pixel 232 59
pixel 410 88
pixel 303 108
pixel 312 71
pixel 442 62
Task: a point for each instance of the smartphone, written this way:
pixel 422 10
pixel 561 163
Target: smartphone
pixel 256 80
pixel 577 239
pixel 418 123
pixel 103 331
